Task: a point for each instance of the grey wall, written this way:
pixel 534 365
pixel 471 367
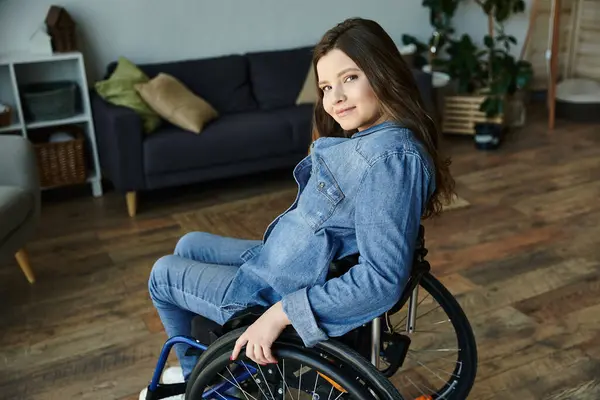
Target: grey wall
pixel 159 30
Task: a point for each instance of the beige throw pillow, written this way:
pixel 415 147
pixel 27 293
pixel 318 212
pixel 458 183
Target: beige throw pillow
pixel 174 102
pixel 308 94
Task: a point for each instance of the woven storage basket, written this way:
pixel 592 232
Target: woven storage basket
pixel 61 163
pixel 461 113
pixel 6 117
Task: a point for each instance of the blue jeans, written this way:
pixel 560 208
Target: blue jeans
pixel 193 281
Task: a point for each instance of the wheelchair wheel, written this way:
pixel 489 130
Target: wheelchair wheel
pixel 330 370
pixel 436 347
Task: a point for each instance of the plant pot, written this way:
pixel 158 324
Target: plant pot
pixel 488 135
pixel 408 53
pixel 516 109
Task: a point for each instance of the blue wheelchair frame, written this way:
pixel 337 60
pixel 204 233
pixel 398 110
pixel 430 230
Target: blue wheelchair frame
pixel 209 394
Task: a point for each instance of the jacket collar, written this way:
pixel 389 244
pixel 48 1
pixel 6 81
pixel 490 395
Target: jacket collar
pixel 374 128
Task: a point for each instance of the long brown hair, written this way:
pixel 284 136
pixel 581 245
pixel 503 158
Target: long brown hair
pixel 375 53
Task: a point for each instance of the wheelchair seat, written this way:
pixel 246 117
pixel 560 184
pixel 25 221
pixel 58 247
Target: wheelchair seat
pixel 207 331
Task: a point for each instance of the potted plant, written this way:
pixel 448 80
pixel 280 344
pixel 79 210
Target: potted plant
pixel 464 64
pixel 441 13
pixel 503 76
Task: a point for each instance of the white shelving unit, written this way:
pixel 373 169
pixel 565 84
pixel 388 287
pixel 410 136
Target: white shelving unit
pixel 24 68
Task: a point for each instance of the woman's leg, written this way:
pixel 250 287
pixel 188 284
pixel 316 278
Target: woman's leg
pixel 193 282
pixel 213 249
pixel 180 289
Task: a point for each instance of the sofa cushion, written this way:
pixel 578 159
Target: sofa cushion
pixel 176 103
pixel 277 76
pixel 300 119
pixel 229 139
pixel 309 92
pixel 222 81
pixel 15 205
pixel 119 89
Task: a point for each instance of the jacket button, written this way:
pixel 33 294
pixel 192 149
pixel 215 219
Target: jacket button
pixel 321 185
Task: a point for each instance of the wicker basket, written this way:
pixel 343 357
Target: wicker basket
pixel 60 163
pixel 461 113
pixel 6 117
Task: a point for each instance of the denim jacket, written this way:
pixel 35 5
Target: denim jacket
pixel 364 194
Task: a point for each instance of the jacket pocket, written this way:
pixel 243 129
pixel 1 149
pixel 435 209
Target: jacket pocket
pixel 321 197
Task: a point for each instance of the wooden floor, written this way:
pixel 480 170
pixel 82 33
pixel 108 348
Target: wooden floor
pixel 523 259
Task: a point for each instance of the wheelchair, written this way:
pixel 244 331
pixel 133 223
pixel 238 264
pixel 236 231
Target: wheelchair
pixel 383 359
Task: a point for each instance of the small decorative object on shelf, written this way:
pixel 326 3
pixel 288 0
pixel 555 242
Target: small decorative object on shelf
pixel 61 28
pixel 5 115
pixel 60 153
pixel 49 100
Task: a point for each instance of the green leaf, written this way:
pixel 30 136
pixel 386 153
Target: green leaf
pixel 408 39
pixel 488 41
pixel 488 5
pixel 519 6
pixel 502 13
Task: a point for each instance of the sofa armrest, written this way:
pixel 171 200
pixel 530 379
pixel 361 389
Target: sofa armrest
pixel 18 166
pixel 119 135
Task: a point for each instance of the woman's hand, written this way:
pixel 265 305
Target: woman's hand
pixel 260 336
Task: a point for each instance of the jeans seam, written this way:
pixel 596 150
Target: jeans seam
pixel 159 286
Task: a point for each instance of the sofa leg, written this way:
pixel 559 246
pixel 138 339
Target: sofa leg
pixel 131 198
pixel 23 260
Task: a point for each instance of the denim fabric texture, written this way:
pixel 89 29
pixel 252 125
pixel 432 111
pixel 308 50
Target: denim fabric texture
pixel 364 194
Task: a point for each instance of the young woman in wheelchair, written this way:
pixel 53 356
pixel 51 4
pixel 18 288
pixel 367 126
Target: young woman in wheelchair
pixel 374 171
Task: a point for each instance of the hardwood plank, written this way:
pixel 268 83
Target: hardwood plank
pixel 453 259
pixel 512 339
pixel 561 204
pixel 556 304
pixel 110 372
pixel 525 286
pixel 512 265
pixel 541 375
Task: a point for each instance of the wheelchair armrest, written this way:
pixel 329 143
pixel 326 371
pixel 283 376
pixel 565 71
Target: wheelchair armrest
pixel 339 267
pixel 244 317
pixel 207 331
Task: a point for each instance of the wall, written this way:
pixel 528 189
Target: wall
pixel 158 30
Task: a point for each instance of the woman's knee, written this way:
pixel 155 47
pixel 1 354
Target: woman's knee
pixel 159 275
pixel 190 242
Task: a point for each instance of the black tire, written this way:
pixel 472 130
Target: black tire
pixel 289 344
pixel 467 367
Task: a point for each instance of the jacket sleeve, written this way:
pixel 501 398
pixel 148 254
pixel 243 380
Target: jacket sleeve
pixel 389 205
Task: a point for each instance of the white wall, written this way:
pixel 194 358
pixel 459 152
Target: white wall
pixel 160 30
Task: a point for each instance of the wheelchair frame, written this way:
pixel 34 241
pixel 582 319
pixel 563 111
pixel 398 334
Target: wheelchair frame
pixel 419 268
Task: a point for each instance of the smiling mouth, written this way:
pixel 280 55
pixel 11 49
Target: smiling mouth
pixel 345 111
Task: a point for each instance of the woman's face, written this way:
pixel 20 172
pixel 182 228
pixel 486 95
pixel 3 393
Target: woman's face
pixel 347 94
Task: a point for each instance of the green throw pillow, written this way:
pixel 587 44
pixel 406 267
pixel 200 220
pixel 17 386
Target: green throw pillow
pixel 119 89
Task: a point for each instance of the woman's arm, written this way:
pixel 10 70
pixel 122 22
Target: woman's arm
pixel 390 202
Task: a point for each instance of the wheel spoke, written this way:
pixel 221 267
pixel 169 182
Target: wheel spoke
pixel 257 384
pixel 418 388
pixel 441 347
